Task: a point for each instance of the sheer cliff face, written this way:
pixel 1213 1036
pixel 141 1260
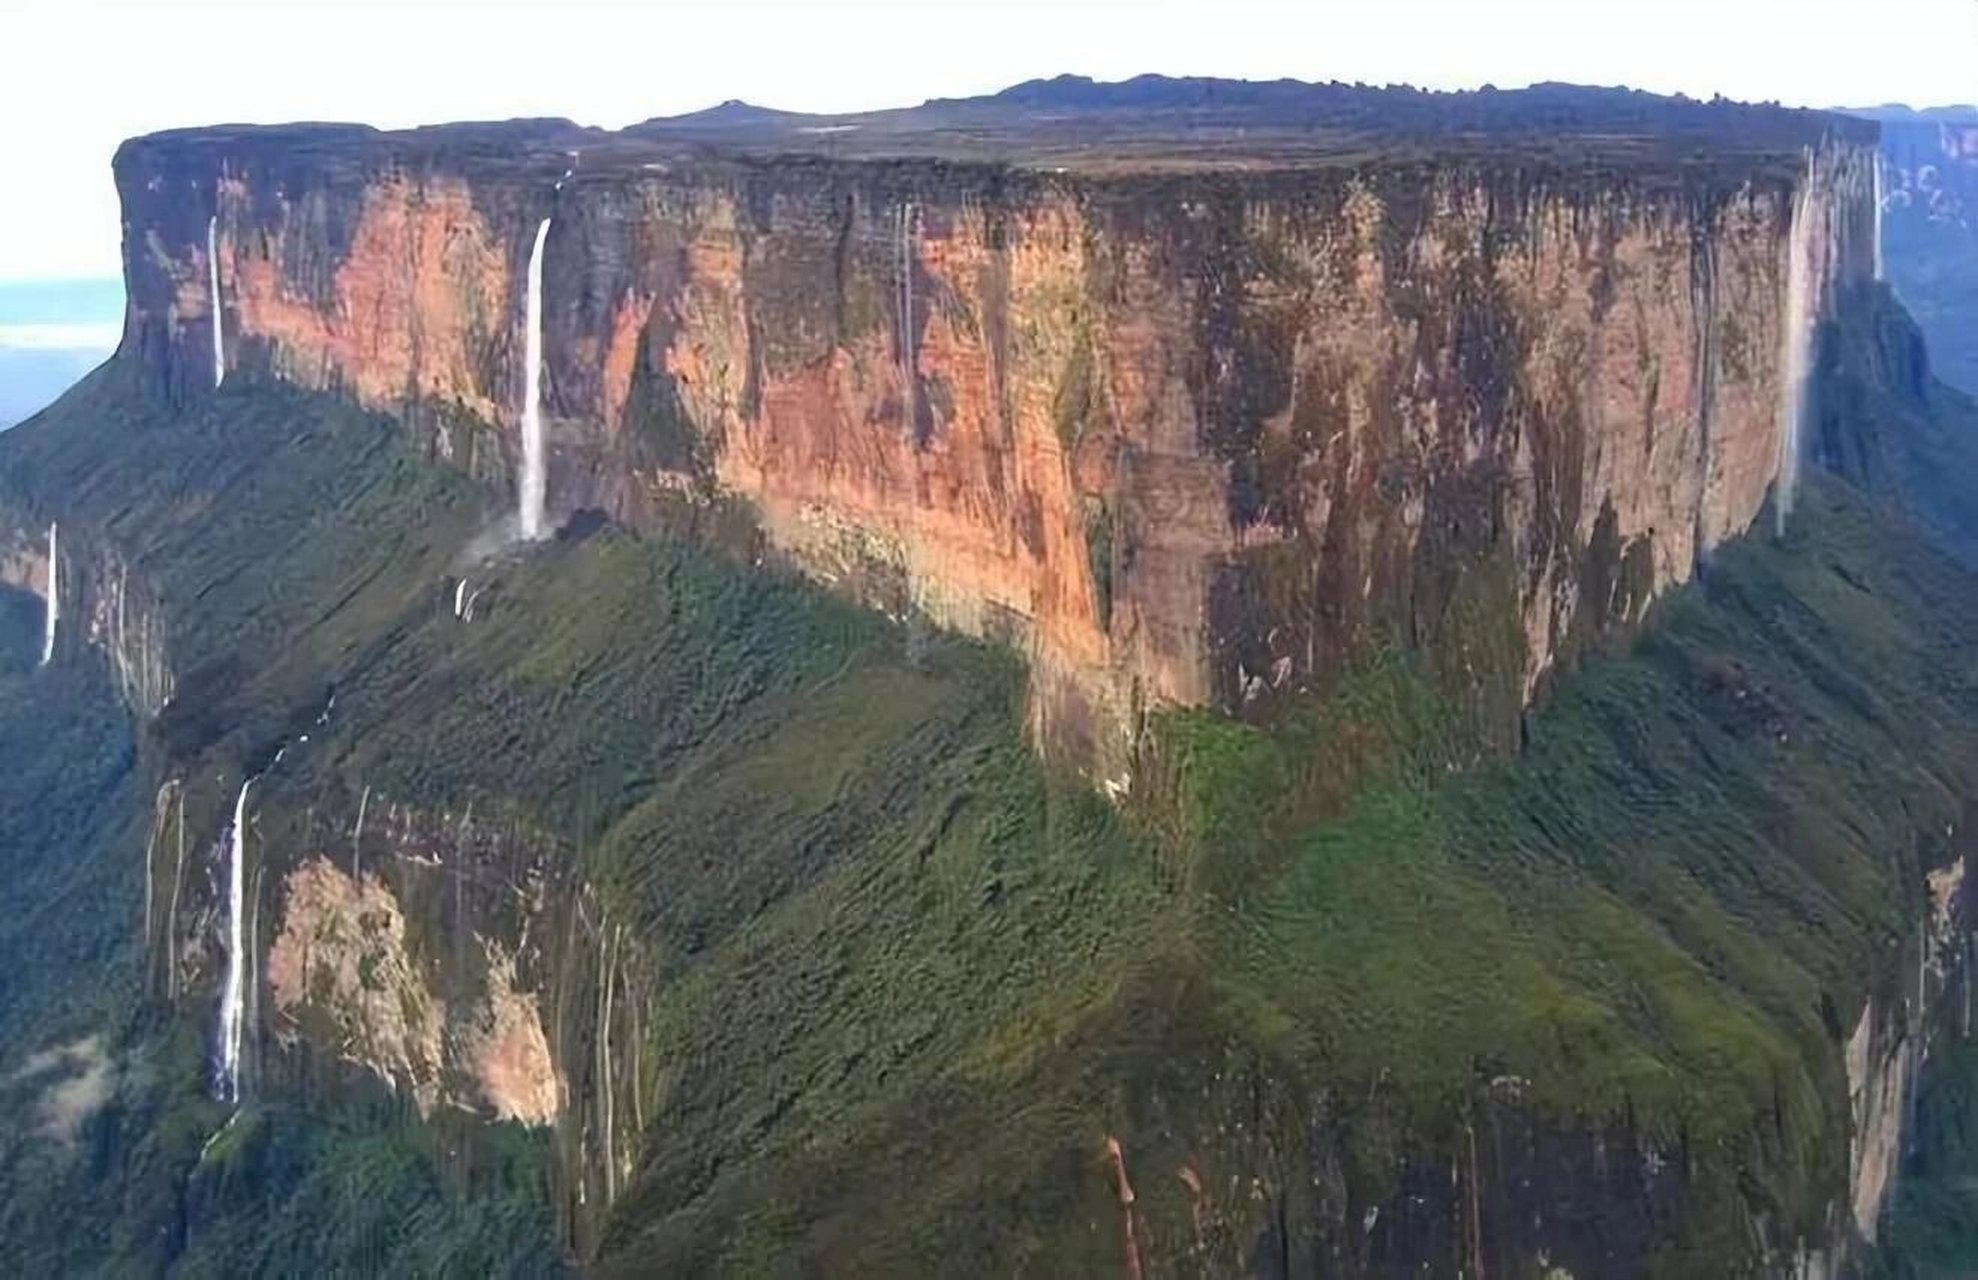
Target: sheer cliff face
pixel 452 958
pixel 1930 230
pixel 1187 438
pixel 104 606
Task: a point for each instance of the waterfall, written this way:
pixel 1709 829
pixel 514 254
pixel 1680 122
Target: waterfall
pixel 172 912
pixel 213 279
pixel 535 485
pixel 1834 243
pixel 607 957
pixel 907 380
pixel 1800 320
pixel 357 832
pixel 1705 365
pixel 1878 215
pixel 53 614
pixel 228 1084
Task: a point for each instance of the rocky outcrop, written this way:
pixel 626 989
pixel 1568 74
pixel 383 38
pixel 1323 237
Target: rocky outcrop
pixel 1889 1048
pixel 508 1050
pixel 24 561
pixel 123 617
pixel 342 956
pixel 1183 434
pixel 102 605
pixel 1883 1055
pixel 460 961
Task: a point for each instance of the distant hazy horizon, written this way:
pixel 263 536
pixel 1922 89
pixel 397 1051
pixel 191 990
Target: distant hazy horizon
pixel 51 334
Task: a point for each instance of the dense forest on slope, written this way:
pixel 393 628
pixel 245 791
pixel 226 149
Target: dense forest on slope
pixel 273 513
pixel 1351 990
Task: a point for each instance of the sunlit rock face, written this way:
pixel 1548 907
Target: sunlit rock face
pixel 1925 1000
pixel 342 956
pixel 507 1049
pixel 429 1004
pixel 1181 434
pixel 459 960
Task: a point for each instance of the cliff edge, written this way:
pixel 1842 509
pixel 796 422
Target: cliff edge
pixel 1191 392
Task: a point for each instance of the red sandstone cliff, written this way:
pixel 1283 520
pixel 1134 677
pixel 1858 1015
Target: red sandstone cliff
pixel 1182 432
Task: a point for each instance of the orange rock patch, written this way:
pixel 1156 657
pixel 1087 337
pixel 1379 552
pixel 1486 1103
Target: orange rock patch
pixel 425 281
pixel 342 956
pixel 507 1050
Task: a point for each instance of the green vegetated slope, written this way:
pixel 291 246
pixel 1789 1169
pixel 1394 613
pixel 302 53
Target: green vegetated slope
pixel 1892 429
pixel 905 982
pixel 1886 424
pixel 1663 913
pixel 66 792
pixel 288 535
pixel 68 817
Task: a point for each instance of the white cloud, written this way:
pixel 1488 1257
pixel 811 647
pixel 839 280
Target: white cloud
pixel 87 1078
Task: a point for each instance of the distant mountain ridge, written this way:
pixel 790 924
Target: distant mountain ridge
pixel 1902 113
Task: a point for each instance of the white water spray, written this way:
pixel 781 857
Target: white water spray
pixel 53 614
pixel 1836 212
pixel 907 362
pixel 241 950
pixel 357 832
pixel 213 279
pixel 228 1085
pixel 1878 216
pixel 535 484
pixel 608 962
pixel 1800 321
pixel 172 911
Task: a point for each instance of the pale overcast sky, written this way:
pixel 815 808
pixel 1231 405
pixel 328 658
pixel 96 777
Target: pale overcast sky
pixel 79 75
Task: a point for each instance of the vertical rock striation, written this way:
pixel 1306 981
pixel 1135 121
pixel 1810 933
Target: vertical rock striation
pixel 118 613
pixel 1182 433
